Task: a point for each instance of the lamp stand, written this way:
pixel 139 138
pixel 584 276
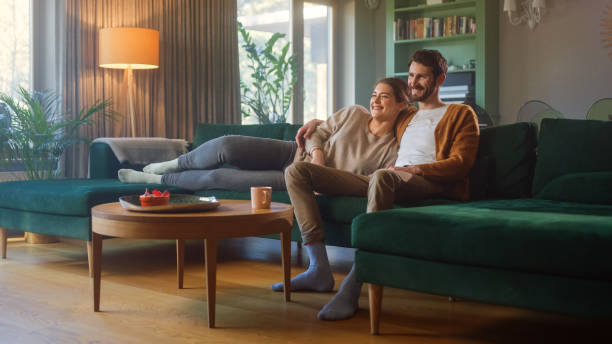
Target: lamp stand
pixel 130 80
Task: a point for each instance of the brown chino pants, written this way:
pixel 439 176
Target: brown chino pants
pixel 383 188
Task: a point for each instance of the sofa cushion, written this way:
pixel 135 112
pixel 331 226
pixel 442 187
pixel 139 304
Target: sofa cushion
pixel 595 188
pixel 568 146
pixel 206 131
pixel 506 158
pixel 541 236
pixel 343 209
pixel 73 197
pixel 480 177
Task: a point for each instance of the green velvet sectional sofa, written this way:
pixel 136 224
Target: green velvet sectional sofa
pixel 537 233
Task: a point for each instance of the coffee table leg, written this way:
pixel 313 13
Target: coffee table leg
pixel 286 256
pixel 180 261
pixel 97 268
pixel 211 277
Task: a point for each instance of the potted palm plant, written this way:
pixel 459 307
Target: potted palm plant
pixel 34 132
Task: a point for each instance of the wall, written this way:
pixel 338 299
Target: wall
pixel 344 53
pixel 562 62
pixel 369 49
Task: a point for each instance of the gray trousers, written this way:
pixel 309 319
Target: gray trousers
pixel 258 162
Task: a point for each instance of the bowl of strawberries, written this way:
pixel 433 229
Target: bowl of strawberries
pixel 154 198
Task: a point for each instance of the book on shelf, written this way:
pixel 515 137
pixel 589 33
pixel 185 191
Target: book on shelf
pixel 454 93
pixel 457 88
pixel 433 27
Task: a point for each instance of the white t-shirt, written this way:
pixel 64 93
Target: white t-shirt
pixel 418 145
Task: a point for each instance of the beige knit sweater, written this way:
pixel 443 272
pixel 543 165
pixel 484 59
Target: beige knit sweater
pixel 349 145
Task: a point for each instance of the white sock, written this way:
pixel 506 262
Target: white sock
pixel 132 176
pixel 162 167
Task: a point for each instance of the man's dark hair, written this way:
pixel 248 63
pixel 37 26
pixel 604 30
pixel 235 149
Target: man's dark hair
pixel 432 59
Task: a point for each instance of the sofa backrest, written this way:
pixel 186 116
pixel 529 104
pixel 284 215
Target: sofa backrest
pixel 505 162
pixel 207 131
pixel 569 147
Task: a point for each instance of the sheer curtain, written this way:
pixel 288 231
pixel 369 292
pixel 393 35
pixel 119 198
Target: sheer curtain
pixel 197 80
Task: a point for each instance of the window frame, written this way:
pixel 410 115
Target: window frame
pixel 297 42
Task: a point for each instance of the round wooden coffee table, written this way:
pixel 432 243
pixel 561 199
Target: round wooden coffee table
pixel 233 218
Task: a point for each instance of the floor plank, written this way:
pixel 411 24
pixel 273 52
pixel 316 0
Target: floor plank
pixel 46 297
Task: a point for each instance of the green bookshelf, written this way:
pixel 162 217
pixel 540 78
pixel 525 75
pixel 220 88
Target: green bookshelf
pixel 458 49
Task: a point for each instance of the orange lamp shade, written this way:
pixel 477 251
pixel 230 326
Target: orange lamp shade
pixel 128 47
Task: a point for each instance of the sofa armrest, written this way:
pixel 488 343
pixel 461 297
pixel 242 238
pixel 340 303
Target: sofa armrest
pixel 103 163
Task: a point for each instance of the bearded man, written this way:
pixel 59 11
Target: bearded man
pixel 437 148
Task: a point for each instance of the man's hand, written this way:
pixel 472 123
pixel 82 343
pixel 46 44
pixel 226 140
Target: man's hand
pixel 317 157
pixel 410 169
pixel 305 131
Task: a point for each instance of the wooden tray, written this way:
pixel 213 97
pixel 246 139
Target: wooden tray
pixel 179 203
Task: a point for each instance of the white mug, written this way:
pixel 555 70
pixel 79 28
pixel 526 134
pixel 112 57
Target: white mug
pixel 261 197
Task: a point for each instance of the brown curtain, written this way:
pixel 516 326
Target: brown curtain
pixel 197 80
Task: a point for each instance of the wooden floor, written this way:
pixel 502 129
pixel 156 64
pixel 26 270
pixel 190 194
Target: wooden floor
pixel 46 297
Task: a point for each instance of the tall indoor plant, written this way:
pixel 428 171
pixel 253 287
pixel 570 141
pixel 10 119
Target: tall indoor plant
pixel 273 75
pixel 35 133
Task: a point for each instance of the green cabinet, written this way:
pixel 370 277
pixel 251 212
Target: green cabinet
pixel 474 53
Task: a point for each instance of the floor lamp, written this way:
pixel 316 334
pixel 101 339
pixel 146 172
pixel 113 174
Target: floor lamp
pixel 128 48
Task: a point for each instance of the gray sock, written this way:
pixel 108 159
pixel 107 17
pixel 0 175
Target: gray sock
pixel 346 301
pixel 132 176
pixel 318 277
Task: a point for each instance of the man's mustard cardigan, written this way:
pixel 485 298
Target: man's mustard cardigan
pixel 456 138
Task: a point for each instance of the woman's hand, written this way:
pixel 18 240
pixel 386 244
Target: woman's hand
pixel 410 169
pixel 317 157
pixel 305 131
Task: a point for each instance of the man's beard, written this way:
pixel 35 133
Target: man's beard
pixel 427 91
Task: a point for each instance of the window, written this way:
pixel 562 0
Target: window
pixel 317 61
pixel 262 18
pixel 14 45
pixel 15 54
